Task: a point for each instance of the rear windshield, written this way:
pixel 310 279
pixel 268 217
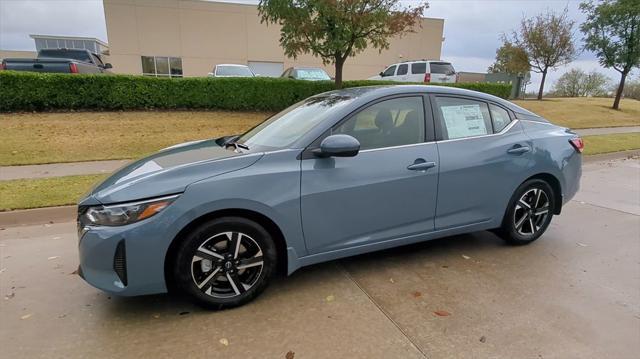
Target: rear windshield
pixel 442 68
pixel 312 74
pixel 66 54
pixel 238 71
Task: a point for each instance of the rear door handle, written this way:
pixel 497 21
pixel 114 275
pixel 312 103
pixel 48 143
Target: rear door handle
pixel 421 165
pixel 518 149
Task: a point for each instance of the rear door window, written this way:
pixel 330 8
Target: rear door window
pixel 500 118
pixel 442 68
pixel 390 71
pixel 419 68
pixel 460 118
pixel 403 69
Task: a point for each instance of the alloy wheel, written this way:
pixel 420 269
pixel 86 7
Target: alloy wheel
pixel 531 212
pixel 227 264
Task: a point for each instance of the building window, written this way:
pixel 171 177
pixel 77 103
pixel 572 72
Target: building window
pixel 161 66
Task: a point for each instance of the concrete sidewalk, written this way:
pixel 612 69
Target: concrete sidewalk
pixel 60 169
pixel 607 130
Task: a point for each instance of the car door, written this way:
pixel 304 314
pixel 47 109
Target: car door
pixel 389 73
pixel 387 191
pixel 402 74
pixel 483 152
pixel 418 69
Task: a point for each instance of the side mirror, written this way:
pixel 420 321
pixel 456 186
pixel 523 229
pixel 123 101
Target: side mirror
pixel 381 74
pixel 108 66
pixel 338 146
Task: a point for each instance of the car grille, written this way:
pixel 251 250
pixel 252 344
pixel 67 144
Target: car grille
pixel 120 262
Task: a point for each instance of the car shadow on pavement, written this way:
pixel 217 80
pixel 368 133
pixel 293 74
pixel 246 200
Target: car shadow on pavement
pixel 304 279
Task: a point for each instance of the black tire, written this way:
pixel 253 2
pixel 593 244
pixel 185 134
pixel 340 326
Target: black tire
pixel 213 282
pixel 522 225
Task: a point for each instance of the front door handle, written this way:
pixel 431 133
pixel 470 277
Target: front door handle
pixel 421 165
pixel 518 149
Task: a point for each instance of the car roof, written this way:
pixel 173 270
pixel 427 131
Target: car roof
pixel 368 93
pixel 236 65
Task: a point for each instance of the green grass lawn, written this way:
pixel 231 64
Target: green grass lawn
pixel 36 138
pixel 44 192
pixel 611 143
pixel 585 112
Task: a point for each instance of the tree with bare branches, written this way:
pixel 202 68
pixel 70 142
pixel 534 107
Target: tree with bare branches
pixel 548 42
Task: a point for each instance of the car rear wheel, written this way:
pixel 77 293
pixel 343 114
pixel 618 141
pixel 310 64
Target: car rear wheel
pixel 529 213
pixel 226 262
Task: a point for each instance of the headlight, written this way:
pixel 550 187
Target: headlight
pixel 126 213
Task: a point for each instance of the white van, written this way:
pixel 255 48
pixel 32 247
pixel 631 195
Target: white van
pixel 419 71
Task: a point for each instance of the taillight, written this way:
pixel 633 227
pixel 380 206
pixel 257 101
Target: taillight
pixel 73 68
pixel 578 144
pixel 427 77
pixel 3 66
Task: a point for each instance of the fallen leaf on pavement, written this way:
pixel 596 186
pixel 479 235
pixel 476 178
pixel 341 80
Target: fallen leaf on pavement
pixel 391 280
pixel 2 270
pixel 442 313
pixel 483 339
pixel 330 298
pixel 416 294
pixel 52 258
pixel 183 313
pixel 9 296
pixel 289 355
pixel 466 257
pixel 26 316
pixel 582 244
pixel 74 272
pixel 156 316
pixel 224 341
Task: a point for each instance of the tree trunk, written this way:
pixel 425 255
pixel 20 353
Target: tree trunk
pixel 616 102
pixel 544 77
pixel 339 65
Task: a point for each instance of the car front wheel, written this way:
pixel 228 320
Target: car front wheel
pixel 529 213
pixel 226 262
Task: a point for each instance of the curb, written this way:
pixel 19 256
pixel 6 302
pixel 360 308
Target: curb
pixel 38 216
pixel 611 156
pixel 69 213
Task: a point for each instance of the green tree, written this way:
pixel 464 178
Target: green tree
pixel 612 31
pixel 510 59
pixel 337 29
pixel 548 41
pixel 577 83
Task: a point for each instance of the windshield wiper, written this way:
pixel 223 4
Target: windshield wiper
pixel 232 141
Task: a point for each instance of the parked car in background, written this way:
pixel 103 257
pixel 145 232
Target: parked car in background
pixel 419 71
pixel 60 61
pixel 231 70
pixel 339 174
pixel 306 73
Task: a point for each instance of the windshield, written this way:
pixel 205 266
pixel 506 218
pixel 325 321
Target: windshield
pixel 65 54
pixel 312 74
pixel 284 128
pixel 442 68
pixel 236 71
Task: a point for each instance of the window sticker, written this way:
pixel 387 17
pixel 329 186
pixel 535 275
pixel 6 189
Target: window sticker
pixel 464 121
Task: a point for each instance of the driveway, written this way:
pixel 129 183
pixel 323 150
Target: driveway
pixel 575 293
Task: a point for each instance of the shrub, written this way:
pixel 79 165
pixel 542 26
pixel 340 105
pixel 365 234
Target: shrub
pixel 28 91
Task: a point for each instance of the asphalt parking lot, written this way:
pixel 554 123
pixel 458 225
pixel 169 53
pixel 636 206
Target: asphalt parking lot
pixel 575 293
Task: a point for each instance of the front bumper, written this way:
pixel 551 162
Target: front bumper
pixel 127 260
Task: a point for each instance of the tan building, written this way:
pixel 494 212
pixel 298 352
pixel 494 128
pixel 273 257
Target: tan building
pixel 188 37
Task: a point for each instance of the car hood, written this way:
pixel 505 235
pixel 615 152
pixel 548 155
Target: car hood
pixel 168 171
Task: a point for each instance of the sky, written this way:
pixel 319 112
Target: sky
pixel 472 28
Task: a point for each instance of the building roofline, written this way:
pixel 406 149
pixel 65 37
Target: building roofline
pixel 55 37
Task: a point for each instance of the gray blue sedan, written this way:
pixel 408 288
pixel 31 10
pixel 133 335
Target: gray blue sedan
pixel 338 174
